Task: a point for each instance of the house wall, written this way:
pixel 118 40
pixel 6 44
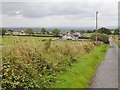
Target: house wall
pixel 70 36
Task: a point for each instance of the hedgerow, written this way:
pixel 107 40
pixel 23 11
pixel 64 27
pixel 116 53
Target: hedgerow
pixel 36 66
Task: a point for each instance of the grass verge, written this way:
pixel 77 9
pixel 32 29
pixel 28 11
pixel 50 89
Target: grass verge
pixel 80 74
pixel 117 42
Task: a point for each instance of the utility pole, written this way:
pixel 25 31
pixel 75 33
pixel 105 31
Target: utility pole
pixel 96 25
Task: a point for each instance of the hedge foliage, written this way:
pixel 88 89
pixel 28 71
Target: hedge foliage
pixel 36 66
pixel 100 37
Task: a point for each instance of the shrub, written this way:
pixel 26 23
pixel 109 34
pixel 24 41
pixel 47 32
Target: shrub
pixel 83 37
pixel 101 37
pixel 104 30
pixel 25 67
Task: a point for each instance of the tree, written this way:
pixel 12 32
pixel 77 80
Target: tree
pixel 2 32
pixel 29 31
pixel 116 32
pixel 89 31
pixel 82 31
pixel 104 30
pixel 43 30
pixel 56 32
pixel 10 31
pixel 101 37
pixel 93 31
pixel 72 31
pixel 47 32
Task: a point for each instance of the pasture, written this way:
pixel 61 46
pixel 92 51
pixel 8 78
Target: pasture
pixel 12 40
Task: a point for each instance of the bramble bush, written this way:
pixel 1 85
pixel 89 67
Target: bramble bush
pixel 36 66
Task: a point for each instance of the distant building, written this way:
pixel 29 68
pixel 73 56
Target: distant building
pixel 7 33
pixel 22 32
pixel 71 36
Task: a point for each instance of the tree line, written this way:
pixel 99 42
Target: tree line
pixel 30 31
pixel 56 32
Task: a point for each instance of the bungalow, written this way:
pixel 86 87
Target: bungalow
pixel 22 32
pixel 71 36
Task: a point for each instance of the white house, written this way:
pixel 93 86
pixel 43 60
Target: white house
pixel 67 37
pixel 78 34
pixel 71 36
pixel 22 32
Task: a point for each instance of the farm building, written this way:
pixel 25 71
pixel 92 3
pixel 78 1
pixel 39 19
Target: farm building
pixel 71 36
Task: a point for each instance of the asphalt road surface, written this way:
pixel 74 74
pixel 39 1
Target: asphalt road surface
pixel 107 73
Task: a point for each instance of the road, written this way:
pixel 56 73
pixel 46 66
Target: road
pixel 107 74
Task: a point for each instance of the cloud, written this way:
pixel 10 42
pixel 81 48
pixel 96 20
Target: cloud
pixel 34 10
pixel 65 13
pixel 58 0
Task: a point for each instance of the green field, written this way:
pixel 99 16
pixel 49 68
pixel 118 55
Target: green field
pixel 8 40
pixel 12 40
pixel 39 62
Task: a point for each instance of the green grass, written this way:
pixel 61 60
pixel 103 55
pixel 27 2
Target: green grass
pixel 11 40
pixel 80 74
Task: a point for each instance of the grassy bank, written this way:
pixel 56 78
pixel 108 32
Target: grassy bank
pixel 116 40
pixel 80 74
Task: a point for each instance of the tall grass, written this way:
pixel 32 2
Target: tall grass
pixel 28 64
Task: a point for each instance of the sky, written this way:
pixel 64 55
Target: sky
pixel 58 13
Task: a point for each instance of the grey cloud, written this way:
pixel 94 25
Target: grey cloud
pixel 58 13
pixel 34 10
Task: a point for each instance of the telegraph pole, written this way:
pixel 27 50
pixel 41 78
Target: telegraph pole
pixel 96 25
